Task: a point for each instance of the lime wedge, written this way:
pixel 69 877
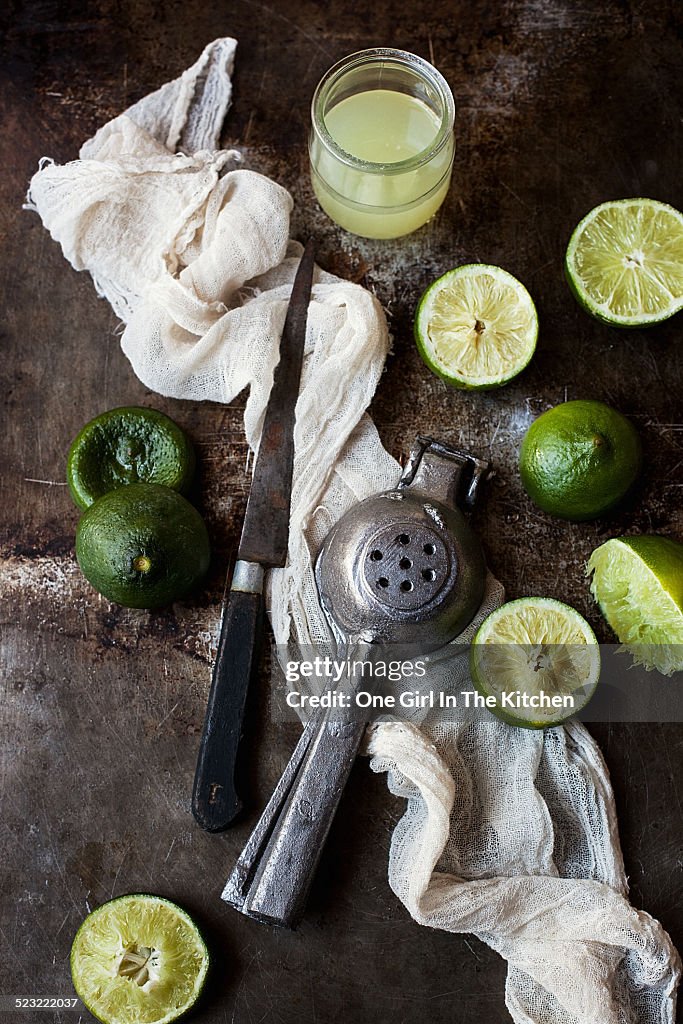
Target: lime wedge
pixel 538 658
pixel 638 583
pixel 624 262
pixel 138 958
pixel 476 327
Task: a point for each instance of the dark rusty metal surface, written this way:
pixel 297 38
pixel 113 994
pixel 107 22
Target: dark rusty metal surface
pixel 561 104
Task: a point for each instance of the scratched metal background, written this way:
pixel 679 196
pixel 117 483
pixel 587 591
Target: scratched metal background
pixel 561 104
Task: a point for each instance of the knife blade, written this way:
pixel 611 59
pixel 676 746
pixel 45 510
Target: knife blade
pixel 263 544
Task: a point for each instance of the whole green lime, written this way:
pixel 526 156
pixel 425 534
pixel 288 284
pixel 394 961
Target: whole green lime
pixel 126 446
pixel 579 459
pixel 142 546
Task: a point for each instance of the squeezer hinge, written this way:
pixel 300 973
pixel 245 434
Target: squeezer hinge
pixel 444 473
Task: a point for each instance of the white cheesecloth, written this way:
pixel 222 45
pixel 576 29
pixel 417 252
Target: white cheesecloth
pixel 509 834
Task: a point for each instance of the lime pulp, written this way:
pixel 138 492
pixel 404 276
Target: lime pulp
pixel 638 584
pixel 536 660
pixel 476 327
pixel 624 262
pixel 139 958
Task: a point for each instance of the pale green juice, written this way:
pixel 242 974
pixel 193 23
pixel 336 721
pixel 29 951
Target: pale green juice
pixel 381 127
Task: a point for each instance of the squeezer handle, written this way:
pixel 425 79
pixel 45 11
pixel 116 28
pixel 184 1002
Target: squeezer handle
pixel 272 879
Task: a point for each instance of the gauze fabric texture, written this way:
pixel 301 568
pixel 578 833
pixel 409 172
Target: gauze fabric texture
pixel 509 834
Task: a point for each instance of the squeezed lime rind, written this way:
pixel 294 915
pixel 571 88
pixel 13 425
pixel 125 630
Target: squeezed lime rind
pixel 130 444
pixel 114 999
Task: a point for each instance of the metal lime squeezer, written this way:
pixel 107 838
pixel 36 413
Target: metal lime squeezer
pixel 403 567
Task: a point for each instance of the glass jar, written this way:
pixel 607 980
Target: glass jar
pixel 381 143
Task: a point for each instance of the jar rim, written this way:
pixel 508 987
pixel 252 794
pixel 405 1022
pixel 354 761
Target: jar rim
pixel 410 61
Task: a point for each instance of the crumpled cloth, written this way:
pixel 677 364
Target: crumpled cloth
pixel 509 834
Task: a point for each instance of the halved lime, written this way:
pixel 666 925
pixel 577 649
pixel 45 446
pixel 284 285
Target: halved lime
pixel 624 262
pixel 538 659
pixel 126 446
pixel 638 584
pixel 476 327
pixel 139 959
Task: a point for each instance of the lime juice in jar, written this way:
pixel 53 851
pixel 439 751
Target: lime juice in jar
pixel 381 144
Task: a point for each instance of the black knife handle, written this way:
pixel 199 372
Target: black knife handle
pixel 215 801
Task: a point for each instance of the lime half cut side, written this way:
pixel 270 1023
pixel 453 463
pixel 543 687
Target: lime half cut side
pixel 139 958
pixel 638 584
pixel 624 262
pixel 476 327
pixel 539 659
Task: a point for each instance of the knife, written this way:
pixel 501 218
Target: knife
pixel 263 545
